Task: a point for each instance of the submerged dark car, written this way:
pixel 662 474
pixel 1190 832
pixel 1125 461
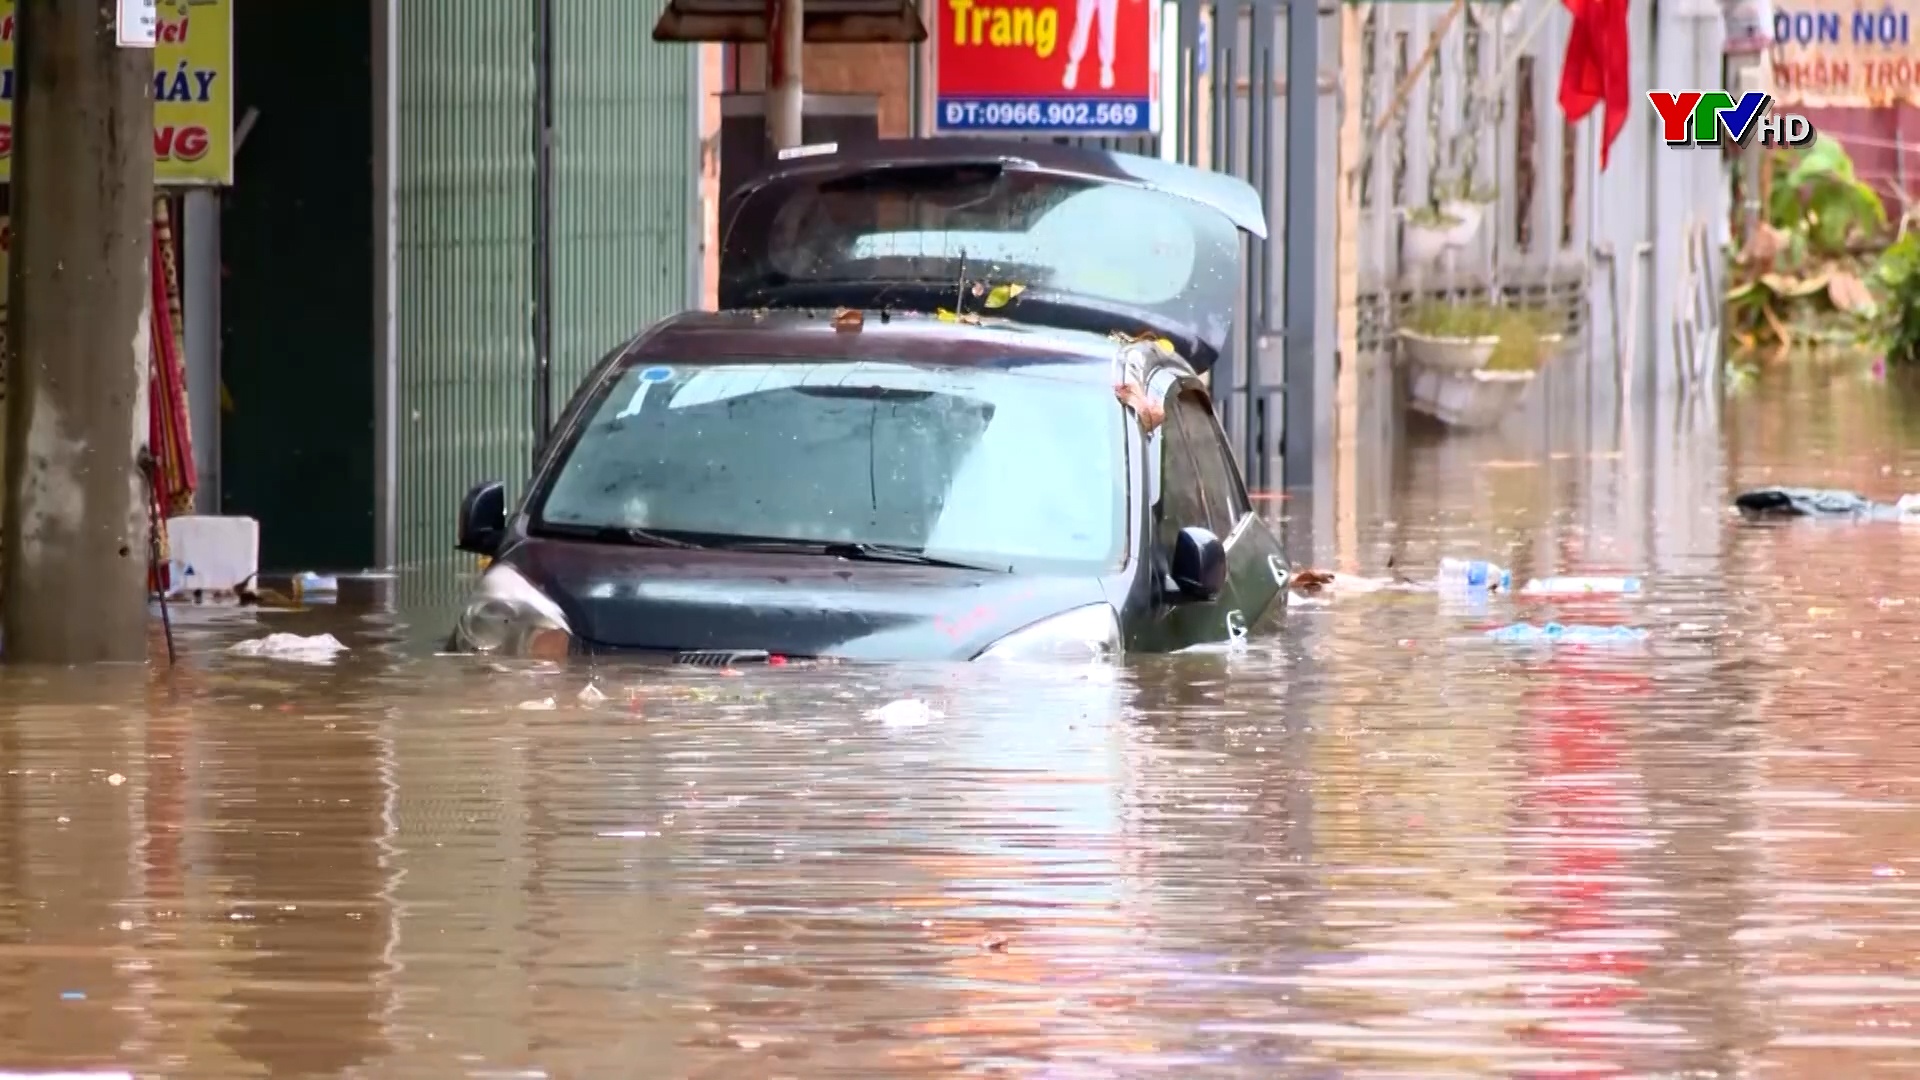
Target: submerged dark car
pixel 952 409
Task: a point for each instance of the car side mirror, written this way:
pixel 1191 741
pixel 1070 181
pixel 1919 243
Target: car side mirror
pixel 1199 564
pixel 483 518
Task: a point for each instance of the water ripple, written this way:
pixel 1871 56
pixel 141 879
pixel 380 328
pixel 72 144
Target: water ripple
pixel 1376 846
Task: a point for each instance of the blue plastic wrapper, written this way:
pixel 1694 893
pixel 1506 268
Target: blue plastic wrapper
pixel 1558 634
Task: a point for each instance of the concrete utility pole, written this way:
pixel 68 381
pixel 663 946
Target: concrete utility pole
pixel 79 296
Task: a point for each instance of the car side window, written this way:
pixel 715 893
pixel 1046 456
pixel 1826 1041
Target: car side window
pixel 1182 502
pixel 1213 468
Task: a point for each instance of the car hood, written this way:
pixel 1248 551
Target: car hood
pixel 670 600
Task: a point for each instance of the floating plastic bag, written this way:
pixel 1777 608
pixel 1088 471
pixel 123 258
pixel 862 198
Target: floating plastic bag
pixel 1557 634
pixel 905 713
pixel 1582 586
pixel 318 649
pixel 1777 502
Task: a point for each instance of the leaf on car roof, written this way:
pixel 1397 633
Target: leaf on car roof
pixel 965 319
pixel 848 320
pixel 1002 295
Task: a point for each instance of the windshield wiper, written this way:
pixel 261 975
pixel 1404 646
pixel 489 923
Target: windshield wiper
pixel 860 552
pixel 618 534
pixel 896 553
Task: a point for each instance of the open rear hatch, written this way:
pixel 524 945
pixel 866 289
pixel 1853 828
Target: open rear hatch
pixel 1036 233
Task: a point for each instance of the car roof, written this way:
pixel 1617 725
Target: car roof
pixel 1220 192
pixel 810 337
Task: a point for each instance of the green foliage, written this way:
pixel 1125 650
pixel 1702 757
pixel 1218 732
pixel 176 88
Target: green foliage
pixel 1898 278
pixel 1431 217
pixel 1461 188
pixel 1524 340
pixel 1436 319
pixel 1798 279
pixel 1817 197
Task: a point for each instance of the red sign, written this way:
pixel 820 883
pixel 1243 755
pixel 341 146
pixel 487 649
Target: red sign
pixel 1061 66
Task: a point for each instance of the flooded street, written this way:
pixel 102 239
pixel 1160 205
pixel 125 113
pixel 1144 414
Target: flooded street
pixel 1378 846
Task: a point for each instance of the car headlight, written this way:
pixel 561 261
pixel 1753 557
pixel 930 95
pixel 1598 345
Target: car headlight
pixel 1084 635
pixel 507 615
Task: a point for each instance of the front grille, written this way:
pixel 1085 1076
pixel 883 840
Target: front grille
pixel 722 658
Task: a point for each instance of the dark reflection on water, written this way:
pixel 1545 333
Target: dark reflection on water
pixel 1377 847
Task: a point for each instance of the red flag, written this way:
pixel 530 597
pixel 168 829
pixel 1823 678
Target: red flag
pixel 1596 69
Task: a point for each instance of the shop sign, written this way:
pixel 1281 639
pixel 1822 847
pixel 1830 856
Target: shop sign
pixel 1841 52
pixel 1063 67
pixel 192 92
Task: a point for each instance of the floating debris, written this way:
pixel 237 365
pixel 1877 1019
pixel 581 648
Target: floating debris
pixel 318 649
pixel 1311 582
pixel 1557 634
pixel 905 713
pixel 1582 586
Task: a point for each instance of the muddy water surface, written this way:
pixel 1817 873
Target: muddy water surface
pixel 1377 847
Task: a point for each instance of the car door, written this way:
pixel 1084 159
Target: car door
pixel 1176 622
pixel 1256 564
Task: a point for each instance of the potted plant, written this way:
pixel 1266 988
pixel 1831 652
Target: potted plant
pixel 1450 337
pixel 1430 231
pixel 1467 204
pixel 1472 363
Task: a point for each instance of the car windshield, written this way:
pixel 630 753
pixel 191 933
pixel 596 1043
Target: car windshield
pixel 991 466
pixel 1111 243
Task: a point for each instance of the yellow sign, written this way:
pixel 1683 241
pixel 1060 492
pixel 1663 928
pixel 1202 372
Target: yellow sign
pixel 192 92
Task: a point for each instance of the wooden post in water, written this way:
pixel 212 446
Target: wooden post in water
pixel 80 342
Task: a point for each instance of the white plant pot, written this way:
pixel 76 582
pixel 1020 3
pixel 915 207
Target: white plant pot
pixel 1470 214
pixel 1446 353
pixel 1422 244
pixel 1468 400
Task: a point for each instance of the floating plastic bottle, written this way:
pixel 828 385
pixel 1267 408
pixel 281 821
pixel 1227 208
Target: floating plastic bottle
pixel 1471 575
pixel 1557 634
pixel 1582 586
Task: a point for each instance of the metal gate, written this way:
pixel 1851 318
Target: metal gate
pixel 1228 110
pixel 1468 93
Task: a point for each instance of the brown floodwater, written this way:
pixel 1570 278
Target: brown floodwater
pixel 1379 846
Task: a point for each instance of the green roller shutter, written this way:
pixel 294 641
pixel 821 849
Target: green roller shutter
pixel 625 152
